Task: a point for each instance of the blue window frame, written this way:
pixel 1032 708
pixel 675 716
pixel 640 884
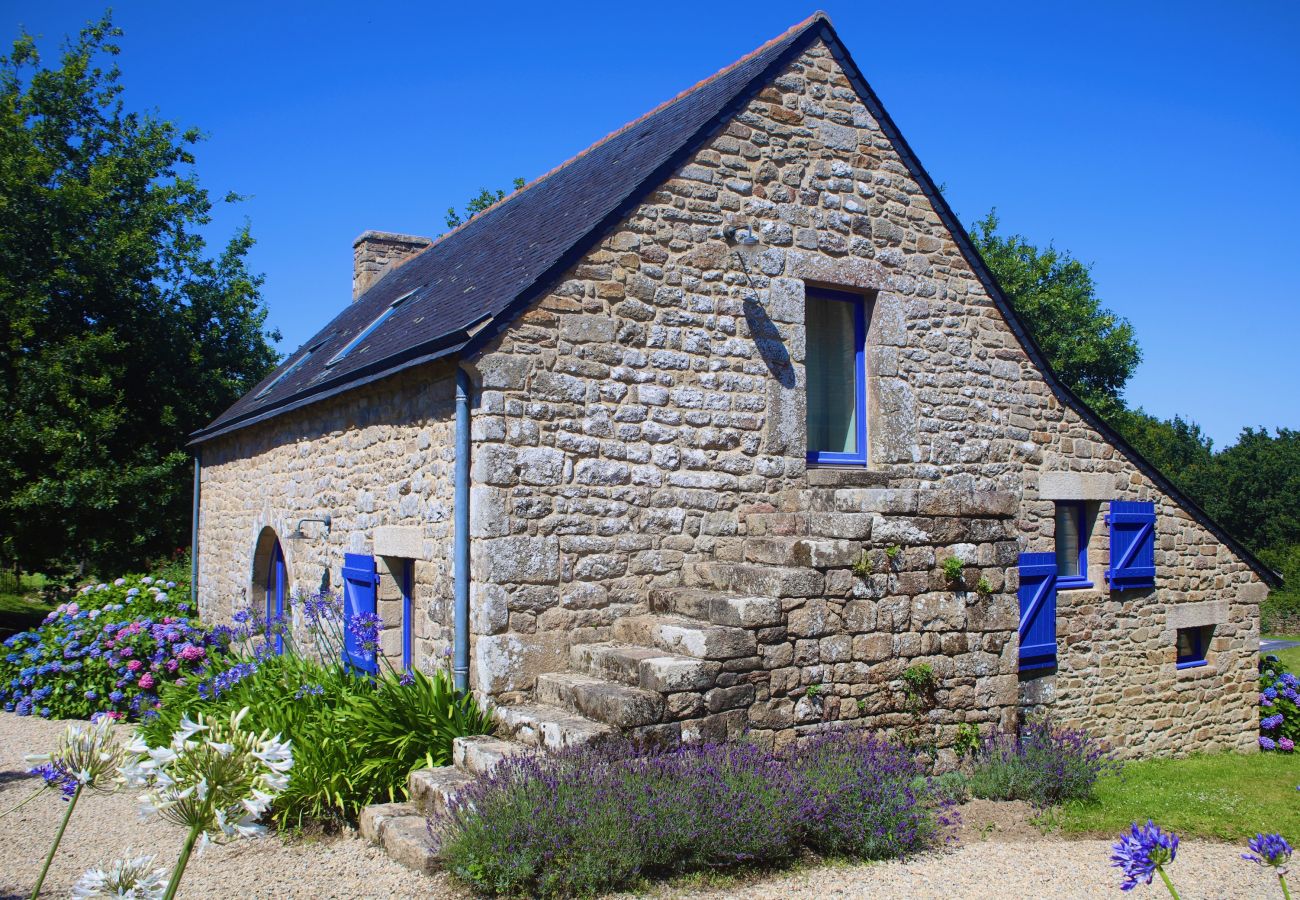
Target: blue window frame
pixel 1194 646
pixel 1072 534
pixel 408 589
pixel 369 329
pixel 276 587
pixel 836 370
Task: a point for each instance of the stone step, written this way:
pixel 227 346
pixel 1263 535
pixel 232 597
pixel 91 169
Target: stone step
pixel 805 552
pixel 601 700
pixel 776 523
pixel 407 840
pixel 689 637
pixel 644 667
pixel 757 580
pixel 373 818
pixel 479 754
pixel 431 789
pixel 718 608
pixel 549 728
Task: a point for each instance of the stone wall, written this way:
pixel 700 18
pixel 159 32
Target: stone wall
pixel 380 461
pixel 634 421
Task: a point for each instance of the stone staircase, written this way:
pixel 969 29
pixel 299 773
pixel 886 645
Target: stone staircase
pixel 667 676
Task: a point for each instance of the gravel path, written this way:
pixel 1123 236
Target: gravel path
pixel 1013 862
pixel 103 827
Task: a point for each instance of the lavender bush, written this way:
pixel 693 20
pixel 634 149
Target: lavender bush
pixel 592 819
pixel 863 797
pixel 1045 765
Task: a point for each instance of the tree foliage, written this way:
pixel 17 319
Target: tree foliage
pixel 121 334
pixel 477 204
pixel 1093 350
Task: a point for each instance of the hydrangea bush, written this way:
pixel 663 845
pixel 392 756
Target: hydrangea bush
pixel 1279 706
pixel 108 650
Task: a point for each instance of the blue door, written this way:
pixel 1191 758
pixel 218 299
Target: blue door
pixel 275 590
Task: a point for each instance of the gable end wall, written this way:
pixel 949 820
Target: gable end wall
pixel 642 427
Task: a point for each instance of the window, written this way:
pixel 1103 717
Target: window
pixel 1193 646
pixel 408 591
pixel 1072 534
pixel 288 370
pixel 835 365
pixel 369 329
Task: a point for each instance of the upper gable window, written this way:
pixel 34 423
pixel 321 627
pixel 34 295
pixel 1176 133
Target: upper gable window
pixel 835 365
pixel 288 370
pixel 1073 528
pixel 369 329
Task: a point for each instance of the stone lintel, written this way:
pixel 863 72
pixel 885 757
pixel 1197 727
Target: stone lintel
pixel 846 476
pixel 400 541
pixel 1076 486
pixel 1194 615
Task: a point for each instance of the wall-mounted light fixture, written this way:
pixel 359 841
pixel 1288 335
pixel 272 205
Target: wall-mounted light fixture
pixel 300 535
pixel 740 234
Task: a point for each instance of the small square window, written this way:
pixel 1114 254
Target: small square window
pixel 1194 646
pixel 1072 533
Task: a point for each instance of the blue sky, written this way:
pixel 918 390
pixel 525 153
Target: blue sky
pixel 1158 141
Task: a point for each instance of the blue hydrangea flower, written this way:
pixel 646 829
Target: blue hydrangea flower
pixel 1267 743
pixel 1271 722
pixel 1143 852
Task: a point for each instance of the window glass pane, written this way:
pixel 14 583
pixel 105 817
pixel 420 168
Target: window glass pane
pixel 1186 644
pixel 832 376
pixel 1067 540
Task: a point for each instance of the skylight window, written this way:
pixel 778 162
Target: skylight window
pixel 288 370
pixel 369 329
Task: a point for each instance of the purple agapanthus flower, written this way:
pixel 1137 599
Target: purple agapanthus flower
pixel 365 628
pixel 1143 852
pixel 1270 850
pixel 56 775
pixel 406 680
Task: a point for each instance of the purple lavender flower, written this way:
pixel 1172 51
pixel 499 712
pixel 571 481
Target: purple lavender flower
pixel 1270 850
pixel 1142 854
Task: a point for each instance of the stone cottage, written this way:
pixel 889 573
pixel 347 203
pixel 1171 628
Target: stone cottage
pixel 718 428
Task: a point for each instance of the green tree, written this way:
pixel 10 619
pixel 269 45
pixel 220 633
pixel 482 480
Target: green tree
pixel 1253 489
pixel 1177 447
pixel 1092 349
pixel 120 334
pixel 477 204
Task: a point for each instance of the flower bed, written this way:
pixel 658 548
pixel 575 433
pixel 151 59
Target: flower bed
pixel 1279 706
pixel 1044 764
pixel 594 819
pixel 110 650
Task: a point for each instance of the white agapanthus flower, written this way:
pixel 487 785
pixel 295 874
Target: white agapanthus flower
pixel 215 778
pixel 131 876
pixel 90 753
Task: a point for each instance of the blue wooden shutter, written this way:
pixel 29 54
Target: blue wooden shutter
pixel 1037 611
pixel 408 611
pixel 1132 545
pixel 359 580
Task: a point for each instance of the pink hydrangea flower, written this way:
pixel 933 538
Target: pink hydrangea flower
pixel 1285 744
pixel 146 681
pixel 135 665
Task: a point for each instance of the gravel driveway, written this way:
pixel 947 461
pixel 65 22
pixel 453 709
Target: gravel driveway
pixel 1013 862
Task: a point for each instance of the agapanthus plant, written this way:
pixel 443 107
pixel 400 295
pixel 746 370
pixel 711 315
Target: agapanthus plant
pixel 86 757
pixel 1273 851
pixel 130 876
pixel 1143 853
pixel 216 779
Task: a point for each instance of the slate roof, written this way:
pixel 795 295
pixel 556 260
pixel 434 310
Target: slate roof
pixel 470 284
pixel 506 256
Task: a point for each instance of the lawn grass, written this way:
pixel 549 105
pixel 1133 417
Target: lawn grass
pixel 1290 657
pixel 1229 796
pixel 23 595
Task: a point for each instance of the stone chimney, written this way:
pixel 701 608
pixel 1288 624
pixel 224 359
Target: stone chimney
pixel 376 253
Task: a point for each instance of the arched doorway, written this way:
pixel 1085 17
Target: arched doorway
pixel 271 580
